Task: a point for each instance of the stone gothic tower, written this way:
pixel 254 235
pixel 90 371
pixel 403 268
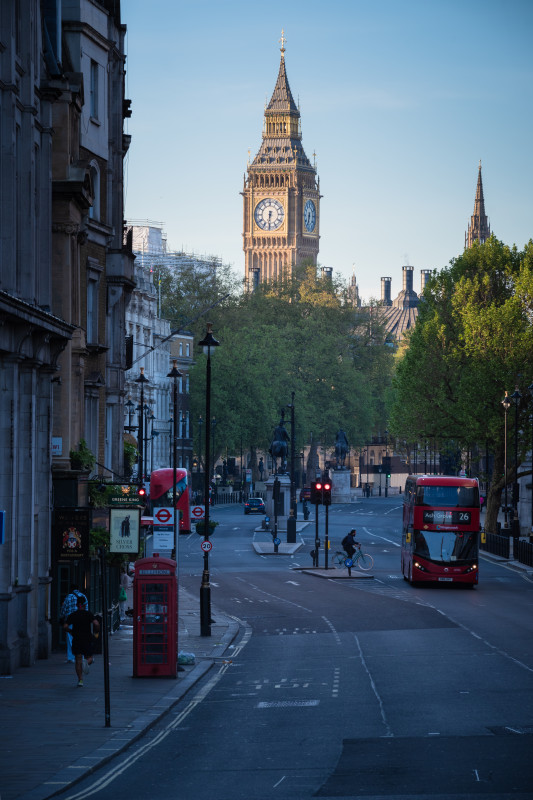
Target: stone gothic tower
pixel 281 194
pixel 479 227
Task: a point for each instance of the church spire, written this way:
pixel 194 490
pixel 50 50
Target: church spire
pixel 479 227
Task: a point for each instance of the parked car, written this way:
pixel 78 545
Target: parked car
pixel 254 505
pixel 305 493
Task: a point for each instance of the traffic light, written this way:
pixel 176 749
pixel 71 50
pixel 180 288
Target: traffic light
pixel 326 493
pixel 316 492
pixel 141 491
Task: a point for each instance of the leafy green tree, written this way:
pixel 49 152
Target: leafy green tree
pixel 294 336
pixel 473 341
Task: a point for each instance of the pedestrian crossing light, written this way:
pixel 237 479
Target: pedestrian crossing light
pixel 316 492
pixel 326 493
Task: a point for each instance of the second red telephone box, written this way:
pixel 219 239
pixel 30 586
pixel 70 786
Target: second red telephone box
pixel 155 618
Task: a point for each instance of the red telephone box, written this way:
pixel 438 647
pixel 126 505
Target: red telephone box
pixel 155 618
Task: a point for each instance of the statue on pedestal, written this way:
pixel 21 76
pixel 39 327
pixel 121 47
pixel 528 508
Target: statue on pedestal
pixel 341 448
pixel 280 445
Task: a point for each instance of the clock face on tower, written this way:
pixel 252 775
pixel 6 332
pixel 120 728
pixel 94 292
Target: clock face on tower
pixel 269 214
pixel 310 216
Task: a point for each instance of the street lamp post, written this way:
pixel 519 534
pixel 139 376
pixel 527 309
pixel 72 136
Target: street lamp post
pixel 155 434
pixel 174 374
pixel 387 463
pixel 516 396
pixel 149 438
pixel 130 406
pixel 291 522
pixel 208 342
pixel 148 417
pixel 142 379
pixel 506 403
pixel 200 423
pixel 170 421
pixel 213 426
pixel 530 390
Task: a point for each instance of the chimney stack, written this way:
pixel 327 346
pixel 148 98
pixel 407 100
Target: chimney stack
pixel 424 276
pixel 385 291
pixel 407 279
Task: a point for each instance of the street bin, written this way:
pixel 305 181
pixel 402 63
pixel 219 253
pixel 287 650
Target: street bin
pixel 155 618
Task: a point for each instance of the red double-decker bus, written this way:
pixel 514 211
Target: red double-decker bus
pixel 440 537
pixel 161 481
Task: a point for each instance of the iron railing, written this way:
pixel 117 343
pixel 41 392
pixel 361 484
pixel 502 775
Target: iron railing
pixel 497 545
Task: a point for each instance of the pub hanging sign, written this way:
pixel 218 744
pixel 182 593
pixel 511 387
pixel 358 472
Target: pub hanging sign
pixel 71 533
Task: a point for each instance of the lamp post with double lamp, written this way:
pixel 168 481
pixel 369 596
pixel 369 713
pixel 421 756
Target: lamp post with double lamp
pixel 516 397
pixel 208 343
pixel 174 374
pixel 142 379
pixel 506 403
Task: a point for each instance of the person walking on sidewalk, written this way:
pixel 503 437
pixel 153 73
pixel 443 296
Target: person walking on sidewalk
pixel 83 623
pixel 70 604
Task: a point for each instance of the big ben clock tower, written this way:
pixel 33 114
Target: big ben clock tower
pixel 281 194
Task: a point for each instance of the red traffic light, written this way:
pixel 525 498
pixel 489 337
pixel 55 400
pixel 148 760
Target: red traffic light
pixel 327 487
pixel 141 491
pixel 316 492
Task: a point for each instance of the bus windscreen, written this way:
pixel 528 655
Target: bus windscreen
pixel 448 496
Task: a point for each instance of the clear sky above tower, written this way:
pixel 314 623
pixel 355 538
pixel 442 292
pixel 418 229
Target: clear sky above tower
pixel 399 101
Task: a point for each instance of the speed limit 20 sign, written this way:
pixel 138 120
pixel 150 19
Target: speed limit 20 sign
pixel 206 545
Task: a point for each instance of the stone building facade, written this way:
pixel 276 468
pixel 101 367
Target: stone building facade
pixel 62 349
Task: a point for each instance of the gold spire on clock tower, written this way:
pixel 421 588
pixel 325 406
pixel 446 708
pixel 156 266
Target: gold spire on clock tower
pixel 281 193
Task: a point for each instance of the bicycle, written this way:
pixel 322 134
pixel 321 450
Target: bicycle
pixel 363 561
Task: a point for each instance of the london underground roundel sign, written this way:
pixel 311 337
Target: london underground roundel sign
pixel 163 515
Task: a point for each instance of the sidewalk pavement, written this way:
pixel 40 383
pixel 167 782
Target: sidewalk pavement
pixel 53 733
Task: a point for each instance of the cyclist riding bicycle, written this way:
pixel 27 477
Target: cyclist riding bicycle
pixel 349 543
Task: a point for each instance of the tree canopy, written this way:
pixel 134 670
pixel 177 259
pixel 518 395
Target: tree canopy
pixel 473 341
pixel 297 336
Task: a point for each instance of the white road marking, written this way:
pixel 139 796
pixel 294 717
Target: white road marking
pixel 118 769
pixel 293 583
pixel 374 689
pixel 381 537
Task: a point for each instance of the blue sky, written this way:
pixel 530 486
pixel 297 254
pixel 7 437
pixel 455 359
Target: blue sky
pixel 399 100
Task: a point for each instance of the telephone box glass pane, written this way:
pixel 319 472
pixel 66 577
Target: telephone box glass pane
pixel 154 623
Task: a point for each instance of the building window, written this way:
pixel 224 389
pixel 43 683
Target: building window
pixel 92 310
pixel 94 210
pixel 91 423
pixel 181 348
pixel 94 90
pixel 188 349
